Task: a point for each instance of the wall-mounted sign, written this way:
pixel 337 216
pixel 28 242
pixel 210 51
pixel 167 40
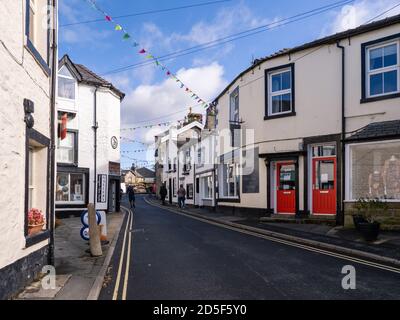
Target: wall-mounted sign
pixel 114 142
pixel 114 168
pixel 101 188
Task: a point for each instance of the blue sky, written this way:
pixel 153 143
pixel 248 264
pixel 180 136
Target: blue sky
pixel 149 94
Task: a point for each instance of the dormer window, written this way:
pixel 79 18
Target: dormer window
pixel 66 84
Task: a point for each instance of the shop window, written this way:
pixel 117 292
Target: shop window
pixel 383 69
pixel 374 171
pixel 208 188
pixel 70 188
pixel 230 179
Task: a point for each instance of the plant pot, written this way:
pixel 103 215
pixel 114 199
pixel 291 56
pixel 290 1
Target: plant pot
pixel 357 219
pixel 34 229
pixel 369 231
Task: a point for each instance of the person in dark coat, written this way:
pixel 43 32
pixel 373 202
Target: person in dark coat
pixel 163 193
pixel 131 196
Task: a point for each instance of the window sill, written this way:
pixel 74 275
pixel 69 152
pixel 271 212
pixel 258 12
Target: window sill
pixel 278 116
pixel 37 238
pixel 33 51
pixel 374 99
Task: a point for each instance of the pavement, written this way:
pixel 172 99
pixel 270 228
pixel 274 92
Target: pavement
pixel 349 241
pixel 165 254
pixel 79 276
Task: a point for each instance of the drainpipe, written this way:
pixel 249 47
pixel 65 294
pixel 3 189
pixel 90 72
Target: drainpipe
pixel 95 127
pixel 52 162
pixel 340 220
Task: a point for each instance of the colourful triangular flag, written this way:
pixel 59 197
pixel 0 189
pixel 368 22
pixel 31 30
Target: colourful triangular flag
pixel 118 27
pixel 126 36
pixel 108 18
pixel 142 51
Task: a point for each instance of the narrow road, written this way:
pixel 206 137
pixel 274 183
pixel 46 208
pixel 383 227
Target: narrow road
pixel 173 257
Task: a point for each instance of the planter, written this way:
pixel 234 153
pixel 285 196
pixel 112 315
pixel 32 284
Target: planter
pixel 34 229
pixel 357 219
pixel 369 231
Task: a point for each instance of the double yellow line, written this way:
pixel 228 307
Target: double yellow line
pixel 127 234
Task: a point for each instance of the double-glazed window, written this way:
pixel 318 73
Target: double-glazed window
pixel 66 151
pixel 66 84
pixel 280 91
pixel 70 188
pixel 383 69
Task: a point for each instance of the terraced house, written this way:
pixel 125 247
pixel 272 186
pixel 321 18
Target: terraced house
pixel 326 119
pixel 28 64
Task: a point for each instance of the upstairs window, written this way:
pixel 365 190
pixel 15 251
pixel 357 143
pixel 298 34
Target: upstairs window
pixel 67 149
pixel 234 106
pixel 383 69
pixel 66 84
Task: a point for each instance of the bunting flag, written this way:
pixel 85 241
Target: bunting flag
pixel 127 36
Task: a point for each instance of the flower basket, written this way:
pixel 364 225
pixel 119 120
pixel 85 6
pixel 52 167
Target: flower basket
pixel 36 221
pixel 34 229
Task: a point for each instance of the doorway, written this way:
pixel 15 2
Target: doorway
pixel 286 188
pixel 170 191
pixel 112 196
pixel 324 186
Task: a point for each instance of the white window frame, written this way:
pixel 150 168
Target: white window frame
pixel 74 134
pixel 225 183
pixel 205 187
pixel 383 70
pixel 69 192
pixel 348 186
pixel 234 109
pixel 31 186
pixel 272 94
pixel 69 78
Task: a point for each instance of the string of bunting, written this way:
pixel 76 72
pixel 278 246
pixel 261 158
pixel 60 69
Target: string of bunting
pixel 147 55
pixel 135 151
pixel 150 126
pixel 135 141
pixel 137 160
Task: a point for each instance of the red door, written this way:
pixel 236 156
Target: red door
pixel 324 186
pixel 286 188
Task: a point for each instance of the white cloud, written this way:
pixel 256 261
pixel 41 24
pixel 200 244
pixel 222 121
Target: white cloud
pixel 352 16
pixel 147 102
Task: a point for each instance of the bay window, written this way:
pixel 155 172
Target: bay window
pixel 374 171
pixel 70 188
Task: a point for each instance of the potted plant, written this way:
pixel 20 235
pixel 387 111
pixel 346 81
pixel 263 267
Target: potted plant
pixel 366 223
pixel 36 221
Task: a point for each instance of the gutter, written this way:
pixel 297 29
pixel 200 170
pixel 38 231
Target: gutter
pixel 51 258
pixel 340 220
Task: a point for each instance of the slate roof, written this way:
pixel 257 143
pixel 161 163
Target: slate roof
pixel 85 75
pixel 332 39
pixel 377 130
pixel 146 173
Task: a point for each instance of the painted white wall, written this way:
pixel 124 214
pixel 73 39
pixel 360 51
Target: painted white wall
pixel 20 77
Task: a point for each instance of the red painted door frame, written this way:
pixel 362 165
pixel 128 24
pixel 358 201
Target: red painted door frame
pixel 324 201
pixel 285 199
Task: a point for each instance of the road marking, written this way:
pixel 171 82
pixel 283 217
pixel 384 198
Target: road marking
pixel 128 259
pixel 286 242
pixel 121 260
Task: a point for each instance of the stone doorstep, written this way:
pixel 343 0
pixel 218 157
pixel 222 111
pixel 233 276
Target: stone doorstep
pixel 293 220
pixel 36 292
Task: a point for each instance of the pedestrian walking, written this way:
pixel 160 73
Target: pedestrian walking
pixel 181 197
pixel 131 196
pixel 163 193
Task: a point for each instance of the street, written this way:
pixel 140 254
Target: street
pixel 172 257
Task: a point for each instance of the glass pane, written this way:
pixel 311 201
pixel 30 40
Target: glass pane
pixel 276 104
pixel 376 84
pixel 64 72
pixel 286 80
pixel 390 58
pixel 390 81
pixel 276 82
pixel 66 88
pixel 77 188
pixel 324 175
pixel 287 179
pixel 62 187
pixel 376 58
pixel 286 102
pixel 375 171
